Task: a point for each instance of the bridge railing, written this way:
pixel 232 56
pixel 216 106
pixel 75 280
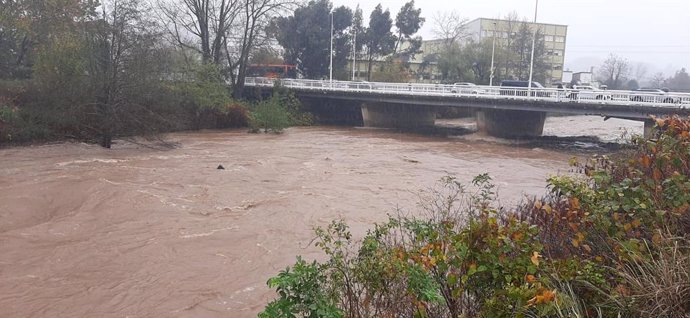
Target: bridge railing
pixel 607 97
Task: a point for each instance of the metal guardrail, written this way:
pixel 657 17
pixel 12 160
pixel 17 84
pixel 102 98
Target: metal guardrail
pixel 605 97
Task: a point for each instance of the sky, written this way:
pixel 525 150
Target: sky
pixel 652 33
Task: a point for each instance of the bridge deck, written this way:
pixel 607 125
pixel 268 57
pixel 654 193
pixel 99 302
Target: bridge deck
pixel 623 104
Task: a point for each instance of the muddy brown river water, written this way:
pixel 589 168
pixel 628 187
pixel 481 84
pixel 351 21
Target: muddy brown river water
pixel 140 232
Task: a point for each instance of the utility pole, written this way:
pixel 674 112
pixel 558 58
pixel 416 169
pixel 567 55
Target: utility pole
pixel 531 59
pixel 493 50
pixel 330 68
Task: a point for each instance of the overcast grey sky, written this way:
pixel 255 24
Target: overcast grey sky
pixel 656 32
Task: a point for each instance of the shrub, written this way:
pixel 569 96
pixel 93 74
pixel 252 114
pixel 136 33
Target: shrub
pixel 657 284
pixel 301 294
pixel 269 115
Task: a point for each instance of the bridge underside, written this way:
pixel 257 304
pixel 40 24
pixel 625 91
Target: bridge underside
pixel 390 115
pixel 510 123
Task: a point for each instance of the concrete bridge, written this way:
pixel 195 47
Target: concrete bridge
pixel 508 112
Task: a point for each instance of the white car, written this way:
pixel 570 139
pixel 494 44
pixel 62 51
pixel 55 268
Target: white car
pixel 467 88
pixel 585 92
pixel 653 95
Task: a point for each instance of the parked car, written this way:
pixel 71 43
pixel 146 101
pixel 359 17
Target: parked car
pixel 520 88
pixel 588 92
pixel 653 95
pixel 467 88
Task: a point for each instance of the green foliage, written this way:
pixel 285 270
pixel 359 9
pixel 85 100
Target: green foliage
pixel 206 90
pixel 409 20
pixel 392 72
pixel 306 35
pixel 270 115
pixel 301 293
pixel 680 81
pixel 280 111
pixel 378 38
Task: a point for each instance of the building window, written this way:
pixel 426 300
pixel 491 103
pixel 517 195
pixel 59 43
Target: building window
pixel 560 39
pixel 548 38
pixel 557 67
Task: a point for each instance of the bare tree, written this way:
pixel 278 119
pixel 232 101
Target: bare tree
pixel 449 27
pixel 640 71
pixel 614 71
pixel 657 80
pixel 223 32
pixel 254 17
pixel 201 25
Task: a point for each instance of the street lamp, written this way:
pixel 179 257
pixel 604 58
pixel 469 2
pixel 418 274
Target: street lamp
pixel 354 53
pixel 330 68
pixel 531 59
pixel 493 50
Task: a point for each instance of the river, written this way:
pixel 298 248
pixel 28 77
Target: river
pixel 139 231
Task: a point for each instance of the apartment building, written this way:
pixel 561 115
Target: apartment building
pixel 554 39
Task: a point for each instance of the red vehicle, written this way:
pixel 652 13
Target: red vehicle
pixel 272 70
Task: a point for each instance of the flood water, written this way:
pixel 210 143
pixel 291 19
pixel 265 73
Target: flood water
pixel 141 232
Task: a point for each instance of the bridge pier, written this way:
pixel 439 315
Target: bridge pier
pixel 505 123
pixel 649 128
pixel 403 116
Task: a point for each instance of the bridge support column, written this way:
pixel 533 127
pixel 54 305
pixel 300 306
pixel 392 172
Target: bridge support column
pixel 389 115
pixel 505 123
pixel 649 128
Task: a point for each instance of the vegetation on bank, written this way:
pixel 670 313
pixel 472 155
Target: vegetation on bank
pixel 99 70
pixel 611 241
pixel 31 111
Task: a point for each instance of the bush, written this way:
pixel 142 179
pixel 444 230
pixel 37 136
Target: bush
pixel 270 115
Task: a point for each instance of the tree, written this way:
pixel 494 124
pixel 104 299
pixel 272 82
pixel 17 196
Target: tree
pixel 223 32
pixel 449 27
pixel 357 31
pixel 680 81
pixel 105 81
pixel 266 55
pixel 632 85
pixel 378 39
pixel 476 57
pixel 614 71
pixel 640 72
pixel 248 34
pixel 657 80
pixel 305 37
pixel 408 22
pixel 207 21
pixel 26 27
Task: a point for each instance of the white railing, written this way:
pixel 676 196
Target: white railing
pixel 606 97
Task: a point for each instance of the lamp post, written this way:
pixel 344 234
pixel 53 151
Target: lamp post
pixel 531 59
pixel 354 53
pixel 330 67
pixel 493 50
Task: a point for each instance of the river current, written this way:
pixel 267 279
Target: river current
pixel 141 231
